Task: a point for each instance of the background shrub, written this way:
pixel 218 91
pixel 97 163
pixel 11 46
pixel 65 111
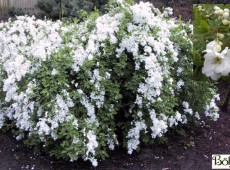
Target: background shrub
pixel 57 9
pixel 15 12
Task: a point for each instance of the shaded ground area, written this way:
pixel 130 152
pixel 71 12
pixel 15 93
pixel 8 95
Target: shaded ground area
pixel 191 151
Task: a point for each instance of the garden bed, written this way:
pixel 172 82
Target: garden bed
pixel 192 150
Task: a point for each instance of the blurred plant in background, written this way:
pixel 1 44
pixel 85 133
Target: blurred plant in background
pixel 56 9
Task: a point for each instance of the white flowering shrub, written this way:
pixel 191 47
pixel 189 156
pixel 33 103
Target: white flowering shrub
pixel 79 90
pixel 211 41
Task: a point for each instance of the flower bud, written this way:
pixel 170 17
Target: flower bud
pixel 216 8
pixel 226 10
pixel 225 22
pixel 220 36
pixel 226 15
pixel 220 12
pixel 199 7
pixel 217 48
pixel 220 43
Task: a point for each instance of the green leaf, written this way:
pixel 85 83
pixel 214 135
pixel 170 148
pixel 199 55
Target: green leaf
pixel 197 17
pixel 204 25
pixel 197 59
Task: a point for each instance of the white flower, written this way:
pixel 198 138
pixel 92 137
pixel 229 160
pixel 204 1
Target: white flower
pixel 92 143
pixel 211 110
pixel 112 141
pixel 134 135
pixel 178 116
pixel 179 70
pixel 180 83
pixel 119 1
pixel 186 108
pixel 216 64
pixel 94 162
pixel 168 11
pixel 54 72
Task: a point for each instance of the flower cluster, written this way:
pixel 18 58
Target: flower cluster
pixel 223 14
pixel 211 109
pixel 73 88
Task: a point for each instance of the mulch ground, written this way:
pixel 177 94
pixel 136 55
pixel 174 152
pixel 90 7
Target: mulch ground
pixel 190 151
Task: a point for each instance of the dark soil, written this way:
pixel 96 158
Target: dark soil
pixel 190 151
